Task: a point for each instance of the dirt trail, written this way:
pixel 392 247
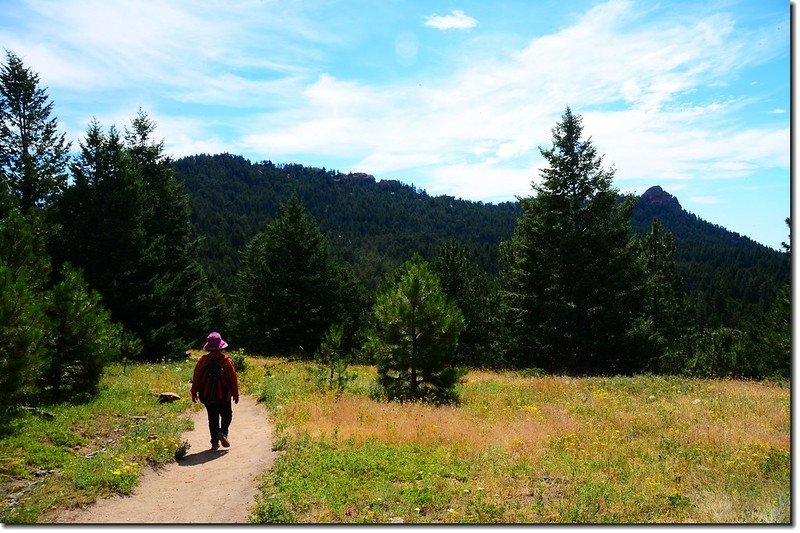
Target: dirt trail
pixel 186 492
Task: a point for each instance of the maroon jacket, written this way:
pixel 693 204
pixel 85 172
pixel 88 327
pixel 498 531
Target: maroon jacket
pixel 230 373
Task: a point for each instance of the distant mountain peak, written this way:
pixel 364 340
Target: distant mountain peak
pixel 657 196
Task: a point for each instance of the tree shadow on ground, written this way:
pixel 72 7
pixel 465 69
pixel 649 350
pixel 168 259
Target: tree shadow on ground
pixel 199 458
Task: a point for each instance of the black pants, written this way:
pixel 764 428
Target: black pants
pixel 220 415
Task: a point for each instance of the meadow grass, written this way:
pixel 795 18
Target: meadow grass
pixel 520 449
pixel 97 448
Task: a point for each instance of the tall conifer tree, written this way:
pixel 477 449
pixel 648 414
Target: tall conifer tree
pixel 470 288
pixel 289 289
pixel 125 221
pixel 33 155
pixel 172 312
pixel 662 321
pixel 55 335
pixel 573 291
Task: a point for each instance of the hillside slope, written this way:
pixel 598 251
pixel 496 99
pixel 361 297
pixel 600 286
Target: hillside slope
pixel 373 225
pixel 376 225
pixel 728 276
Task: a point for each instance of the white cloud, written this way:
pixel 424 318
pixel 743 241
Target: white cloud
pixel 113 44
pixel 476 132
pixel 486 181
pixel 184 137
pixel 682 145
pixel 456 20
pixel 473 131
pixel 236 91
pixel 177 45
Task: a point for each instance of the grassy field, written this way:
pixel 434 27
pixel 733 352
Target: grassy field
pixel 64 455
pixel 517 450
pixel 60 456
pixel 530 450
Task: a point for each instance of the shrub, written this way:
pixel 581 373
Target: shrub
pixel 239 361
pixel 332 372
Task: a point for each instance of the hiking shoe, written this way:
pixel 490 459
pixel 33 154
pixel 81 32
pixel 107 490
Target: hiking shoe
pixel 215 447
pixel 223 439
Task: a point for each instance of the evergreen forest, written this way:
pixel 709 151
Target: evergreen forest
pixel 375 225
pixel 112 251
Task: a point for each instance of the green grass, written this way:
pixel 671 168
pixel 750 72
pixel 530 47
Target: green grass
pixel 521 448
pixel 93 449
pixel 99 448
pixel 530 449
pixel 370 483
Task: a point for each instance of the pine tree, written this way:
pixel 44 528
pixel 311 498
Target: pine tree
pixel 23 249
pixel 100 227
pixel 416 335
pixel 24 329
pixel 171 308
pixel 220 316
pixel 85 340
pixel 769 338
pixel 777 335
pixel 511 337
pixel 33 156
pixel 25 334
pixel 125 223
pixel 100 221
pixel 56 338
pixel 572 292
pixel 334 359
pixel 289 290
pixel 47 319
pixel 467 285
pixel 664 311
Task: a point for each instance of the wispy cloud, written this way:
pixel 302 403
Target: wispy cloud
pixel 456 20
pixel 178 45
pixel 479 128
pixel 262 75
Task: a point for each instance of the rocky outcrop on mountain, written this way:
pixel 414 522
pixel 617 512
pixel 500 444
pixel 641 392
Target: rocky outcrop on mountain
pixel 659 197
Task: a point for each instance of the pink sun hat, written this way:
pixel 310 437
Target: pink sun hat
pixel 214 342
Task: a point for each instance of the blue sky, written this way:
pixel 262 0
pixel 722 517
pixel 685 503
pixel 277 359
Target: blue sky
pixel 455 97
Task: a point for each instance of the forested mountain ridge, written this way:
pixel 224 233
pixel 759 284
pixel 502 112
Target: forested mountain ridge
pixel 373 225
pixel 376 225
pixel 728 276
